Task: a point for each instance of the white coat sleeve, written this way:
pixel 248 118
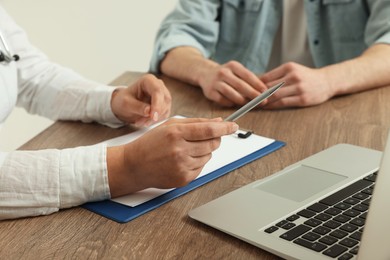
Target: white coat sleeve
pixel 41 182
pixel 50 90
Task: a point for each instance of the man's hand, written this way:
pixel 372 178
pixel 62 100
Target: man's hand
pixel 145 102
pixel 304 86
pixel 231 84
pixel 228 84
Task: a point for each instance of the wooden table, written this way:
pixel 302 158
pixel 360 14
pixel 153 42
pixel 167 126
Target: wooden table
pixel 167 232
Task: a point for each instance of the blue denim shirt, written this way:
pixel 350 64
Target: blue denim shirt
pixel 244 30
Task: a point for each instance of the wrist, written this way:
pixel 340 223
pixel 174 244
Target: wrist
pixel 116 168
pixel 331 77
pixel 203 71
pixel 113 103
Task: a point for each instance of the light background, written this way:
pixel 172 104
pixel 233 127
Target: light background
pixel 98 39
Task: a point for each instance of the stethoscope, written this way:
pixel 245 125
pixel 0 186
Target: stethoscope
pixel 5 55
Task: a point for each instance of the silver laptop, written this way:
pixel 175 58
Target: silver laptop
pixel 314 209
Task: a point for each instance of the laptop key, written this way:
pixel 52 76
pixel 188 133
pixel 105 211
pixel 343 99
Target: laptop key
pixel 306 213
pixel 368 191
pixel 311 236
pixel 351 213
pixel 295 232
pixel 360 207
pixel 342 218
pixel 364 215
pixel 332 224
pixel 354 250
pixel 333 211
pixel 328 240
pixel 317 207
pixel 292 218
pixel 361 196
pixel 346 192
pixel 348 227
pixel 371 177
pixel 338 234
pixel 345 256
pixel 321 230
pixel 316 246
pixel 352 201
pixel 281 223
pixel 357 235
pixel 313 222
pixel 348 242
pixel 289 226
pixel 367 202
pixel 342 206
pixel 271 229
pixel 335 250
pixel 323 217
pixel 358 222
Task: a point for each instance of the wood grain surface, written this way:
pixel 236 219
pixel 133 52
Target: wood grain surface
pixel 167 232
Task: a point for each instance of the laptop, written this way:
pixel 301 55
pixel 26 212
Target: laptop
pixel 322 207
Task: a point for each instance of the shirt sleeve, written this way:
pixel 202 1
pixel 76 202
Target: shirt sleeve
pixel 378 25
pixel 50 90
pixel 191 23
pixel 41 182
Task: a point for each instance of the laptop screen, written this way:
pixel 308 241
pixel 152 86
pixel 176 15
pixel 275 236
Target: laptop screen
pixel 376 235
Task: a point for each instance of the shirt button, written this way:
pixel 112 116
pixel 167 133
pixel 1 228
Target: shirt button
pixel 316 42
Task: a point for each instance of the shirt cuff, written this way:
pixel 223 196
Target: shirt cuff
pixel 384 39
pixel 171 42
pixel 83 175
pixel 99 106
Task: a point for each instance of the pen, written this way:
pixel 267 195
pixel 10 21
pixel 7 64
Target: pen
pixel 253 103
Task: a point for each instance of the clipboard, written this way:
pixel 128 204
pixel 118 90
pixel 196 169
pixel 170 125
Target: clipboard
pixel 122 213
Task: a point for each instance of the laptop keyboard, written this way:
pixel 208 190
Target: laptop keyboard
pixel 332 226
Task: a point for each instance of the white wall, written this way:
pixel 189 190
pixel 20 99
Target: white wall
pixel 98 39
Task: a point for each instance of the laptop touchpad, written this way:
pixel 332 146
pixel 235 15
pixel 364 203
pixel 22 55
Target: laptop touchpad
pixel 300 183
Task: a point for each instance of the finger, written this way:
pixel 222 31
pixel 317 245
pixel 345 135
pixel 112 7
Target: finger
pixel 165 114
pixel 201 148
pixel 159 96
pixel 286 102
pixel 138 107
pixel 282 92
pixel 288 96
pixel 191 169
pixel 249 78
pixel 242 90
pixel 143 121
pixel 199 162
pixel 285 91
pixel 274 75
pixel 221 100
pixel 192 120
pixel 207 130
pixel 231 94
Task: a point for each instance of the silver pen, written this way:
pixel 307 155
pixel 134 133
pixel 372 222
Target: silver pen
pixel 253 103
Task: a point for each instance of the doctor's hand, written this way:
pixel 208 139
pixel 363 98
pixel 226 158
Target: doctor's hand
pixel 168 156
pixel 231 84
pixel 143 103
pixel 304 86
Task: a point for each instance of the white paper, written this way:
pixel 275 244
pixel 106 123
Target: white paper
pixel 232 148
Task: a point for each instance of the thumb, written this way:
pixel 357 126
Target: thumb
pixel 140 108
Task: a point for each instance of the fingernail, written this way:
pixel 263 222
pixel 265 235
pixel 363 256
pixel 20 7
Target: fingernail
pixel 155 116
pixel 235 127
pixel 147 111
